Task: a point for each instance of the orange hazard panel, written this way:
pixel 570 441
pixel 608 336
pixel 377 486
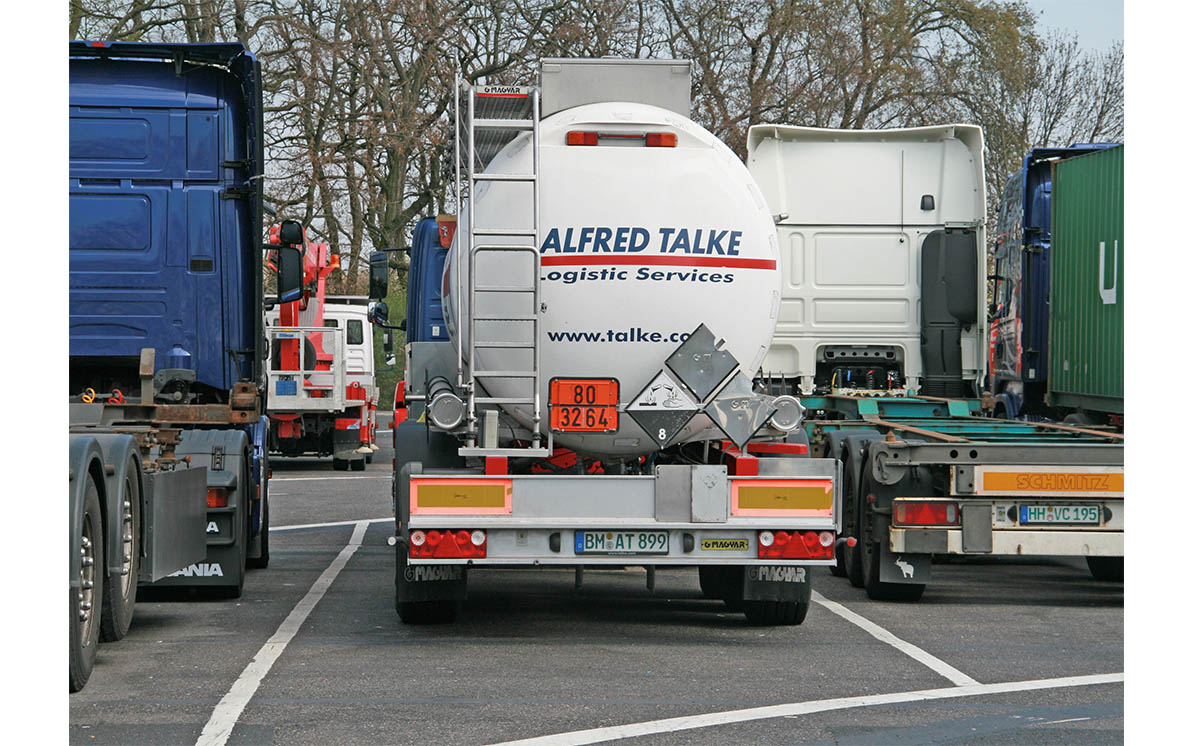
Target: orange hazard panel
pixel 586 405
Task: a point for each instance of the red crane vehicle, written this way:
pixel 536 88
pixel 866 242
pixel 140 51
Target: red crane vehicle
pixel 318 406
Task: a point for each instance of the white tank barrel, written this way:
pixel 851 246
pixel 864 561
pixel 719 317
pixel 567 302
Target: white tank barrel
pixel 639 245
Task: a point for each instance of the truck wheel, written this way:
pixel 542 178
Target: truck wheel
pixel 358 464
pixel 121 590
pixel 264 557
pixel 854 554
pixel 878 590
pixel 427 612
pixel 368 457
pixel 85 617
pixel 711 585
pixel 775 613
pixel 1110 569
pixel 839 549
pixel 340 464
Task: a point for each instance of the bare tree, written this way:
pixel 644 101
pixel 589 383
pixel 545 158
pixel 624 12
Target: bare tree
pixel 359 92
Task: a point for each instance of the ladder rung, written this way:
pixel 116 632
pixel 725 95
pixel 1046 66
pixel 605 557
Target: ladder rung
pixel 504 345
pixel 505 177
pixel 504 289
pixel 503 124
pixel 540 451
pixel 504 374
pixel 504 400
pixel 522 317
pixel 503 232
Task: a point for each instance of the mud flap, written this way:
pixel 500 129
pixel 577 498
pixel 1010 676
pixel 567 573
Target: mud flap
pixel 906 567
pixel 222 453
pixel 346 442
pixel 428 582
pixel 777 583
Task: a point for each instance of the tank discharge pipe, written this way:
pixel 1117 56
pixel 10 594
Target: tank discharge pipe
pixel 446 408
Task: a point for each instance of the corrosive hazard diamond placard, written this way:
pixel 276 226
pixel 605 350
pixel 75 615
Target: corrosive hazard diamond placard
pixel 662 408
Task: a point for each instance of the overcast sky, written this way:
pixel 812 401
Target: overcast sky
pixel 1098 22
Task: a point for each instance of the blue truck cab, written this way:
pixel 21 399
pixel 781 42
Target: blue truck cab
pixel 165 289
pixel 1020 312
pixel 165 219
pixel 424 321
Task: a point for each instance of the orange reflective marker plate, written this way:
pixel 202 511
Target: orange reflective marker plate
pixel 584 405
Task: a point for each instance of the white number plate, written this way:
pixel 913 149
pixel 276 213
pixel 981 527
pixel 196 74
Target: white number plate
pixel 621 542
pixel 1087 515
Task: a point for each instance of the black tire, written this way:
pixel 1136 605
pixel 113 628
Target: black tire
pixel 427 612
pixel 775 613
pixel 370 457
pixel 340 464
pixel 120 591
pixel 854 555
pixel 710 582
pixel 359 464
pixel 264 558
pixel 1108 569
pixel 84 627
pixel 877 590
pixel 839 570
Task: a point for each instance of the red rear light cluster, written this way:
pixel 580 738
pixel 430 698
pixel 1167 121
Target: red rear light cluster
pixel 448 544
pixel 583 138
pixel 218 497
pixel 795 545
pixel 650 139
pixel 924 513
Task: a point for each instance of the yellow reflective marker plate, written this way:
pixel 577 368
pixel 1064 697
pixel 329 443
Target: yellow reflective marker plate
pixel 474 497
pixel 1078 482
pixel 781 497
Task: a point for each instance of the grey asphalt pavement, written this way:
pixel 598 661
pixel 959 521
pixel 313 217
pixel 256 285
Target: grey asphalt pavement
pixel 532 656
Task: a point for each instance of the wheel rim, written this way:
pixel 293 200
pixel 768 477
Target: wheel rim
pixel 126 540
pixel 87 581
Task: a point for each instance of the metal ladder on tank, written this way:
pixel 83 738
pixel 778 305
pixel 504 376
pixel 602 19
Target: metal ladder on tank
pixel 495 115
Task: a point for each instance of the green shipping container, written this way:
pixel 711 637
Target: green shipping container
pixel 1087 283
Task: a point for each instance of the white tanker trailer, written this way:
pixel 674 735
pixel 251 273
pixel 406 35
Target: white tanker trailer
pixel 610 291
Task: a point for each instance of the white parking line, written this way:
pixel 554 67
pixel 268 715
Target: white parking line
pixel 671 725
pixel 219 727
pixel 298 526
pixel 879 633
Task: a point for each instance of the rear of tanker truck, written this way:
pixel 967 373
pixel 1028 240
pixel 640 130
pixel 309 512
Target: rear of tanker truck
pixel 610 290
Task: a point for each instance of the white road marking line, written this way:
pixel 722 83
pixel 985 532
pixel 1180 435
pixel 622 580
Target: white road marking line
pixel 220 725
pixel 298 526
pixel 273 480
pixel 945 669
pixel 1068 720
pixel 689 722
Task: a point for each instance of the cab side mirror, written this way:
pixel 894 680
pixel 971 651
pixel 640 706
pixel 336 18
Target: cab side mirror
pixel 289 262
pixel 379 275
pixel 291 233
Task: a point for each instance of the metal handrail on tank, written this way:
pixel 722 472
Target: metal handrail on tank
pixel 535 290
pixel 511 123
